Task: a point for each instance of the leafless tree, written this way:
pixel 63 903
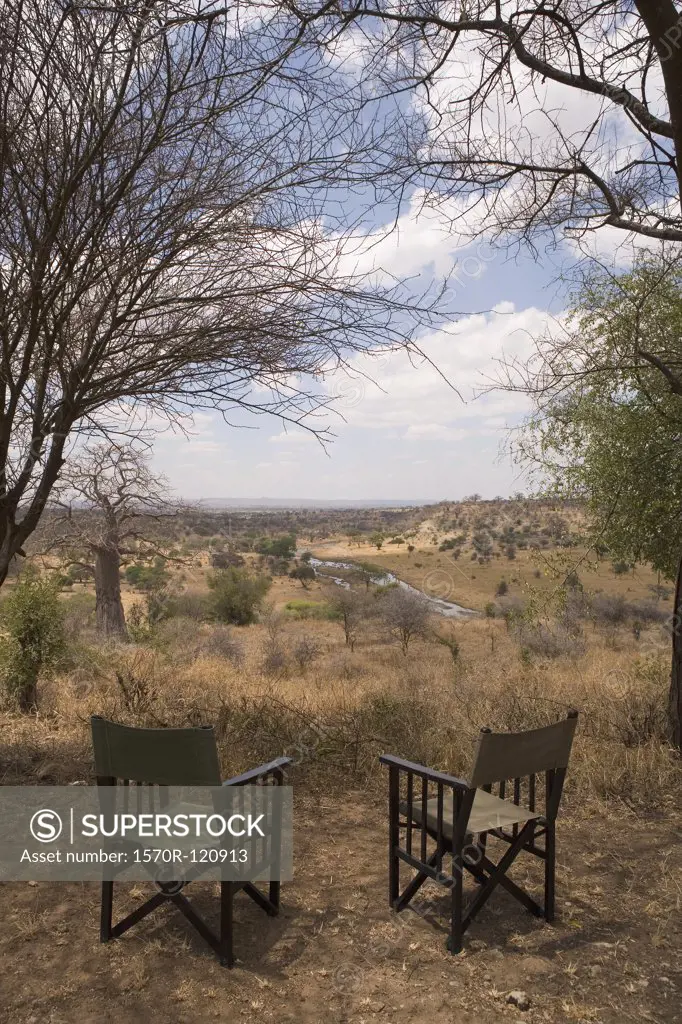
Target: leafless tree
pixel 489 124
pixel 353 610
pixel 164 169
pixel 112 507
pixel 406 615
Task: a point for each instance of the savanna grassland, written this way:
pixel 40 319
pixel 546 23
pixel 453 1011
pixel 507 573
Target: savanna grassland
pixel 567 629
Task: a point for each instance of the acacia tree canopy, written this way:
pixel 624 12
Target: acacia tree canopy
pixel 608 422
pixel 491 89
pixel 164 240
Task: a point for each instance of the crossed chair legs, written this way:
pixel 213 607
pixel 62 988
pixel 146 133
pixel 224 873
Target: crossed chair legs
pixel 488 874
pixel 221 943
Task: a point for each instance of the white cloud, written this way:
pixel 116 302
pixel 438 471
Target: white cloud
pixel 419 401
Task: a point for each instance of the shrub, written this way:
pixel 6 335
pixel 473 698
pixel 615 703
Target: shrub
pixel 32 617
pixel 647 612
pixel 190 605
pixel 549 641
pixel 78 613
pixel 237 595
pixel 147 577
pixel 274 657
pixel 281 547
pixel 302 609
pixel 305 652
pixel 620 568
pixel 219 642
pixel 502 588
pixel 225 559
pixel 611 609
pixel 509 608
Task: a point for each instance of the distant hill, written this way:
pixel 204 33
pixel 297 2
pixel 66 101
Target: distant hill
pixel 218 503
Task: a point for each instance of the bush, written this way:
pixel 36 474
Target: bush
pixel 611 609
pixel 502 588
pixel 280 547
pixel 547 641
pixel 274 657
pixel 78 613
pixel 219 642
pixel 190 606
pixel 237 595
pixel 33 619
pixel 225 559
pixel 509 608
pixel 147 577
pixel 305 652
pixel 302 609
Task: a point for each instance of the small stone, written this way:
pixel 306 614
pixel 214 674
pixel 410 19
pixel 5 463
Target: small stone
pixel 519 999
pixel 477 945
pixel 496 954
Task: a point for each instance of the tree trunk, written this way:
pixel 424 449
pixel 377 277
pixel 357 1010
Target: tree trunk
pixel 27 691
pixel 676 671
pixel 109 607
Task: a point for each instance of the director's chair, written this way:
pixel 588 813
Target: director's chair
pixel 449 817
pixel 176 757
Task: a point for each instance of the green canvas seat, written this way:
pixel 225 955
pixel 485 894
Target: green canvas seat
pixel 435 818
pixel 175 757
pixel 488 812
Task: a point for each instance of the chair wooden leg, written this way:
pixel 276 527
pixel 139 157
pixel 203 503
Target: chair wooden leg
pixel 454 943
pixel 550 871
pixel 226 929
pixel 274 894
pixel 106 911
pixel 393 841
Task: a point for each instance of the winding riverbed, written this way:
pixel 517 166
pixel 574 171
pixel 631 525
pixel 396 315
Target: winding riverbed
pixel 448 609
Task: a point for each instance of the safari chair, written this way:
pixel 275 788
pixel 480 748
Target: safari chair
pixel 438 815
pixel 175 757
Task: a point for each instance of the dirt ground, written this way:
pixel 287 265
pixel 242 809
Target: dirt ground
pixel 336 953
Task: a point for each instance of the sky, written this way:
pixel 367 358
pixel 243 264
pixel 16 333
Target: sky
pixel 404 429
pixel 401 430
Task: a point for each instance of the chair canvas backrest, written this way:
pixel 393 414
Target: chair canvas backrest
pixel 511 755
pixel 162 757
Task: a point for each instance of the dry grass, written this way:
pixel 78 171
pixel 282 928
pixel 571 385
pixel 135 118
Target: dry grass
pixel 336 715
pixel 335 952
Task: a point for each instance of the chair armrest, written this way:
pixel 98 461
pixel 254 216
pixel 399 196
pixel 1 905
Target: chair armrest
pixel 257 773
pixel 423 771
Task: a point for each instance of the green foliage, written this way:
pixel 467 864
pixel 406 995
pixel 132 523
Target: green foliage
pixel 147 577
pixel 302 609
pixel 33 623
pixel 237 595
pixel 281 547
pixel 611 437
pixel 305 574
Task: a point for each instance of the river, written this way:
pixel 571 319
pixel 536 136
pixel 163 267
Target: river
pixel 448 609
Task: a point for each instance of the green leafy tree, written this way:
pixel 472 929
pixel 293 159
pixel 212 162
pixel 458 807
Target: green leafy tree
pixel 305 574
pixel 237 595
pixel 33 624
pixel 609 423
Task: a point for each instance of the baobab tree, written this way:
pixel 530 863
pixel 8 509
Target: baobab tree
pixel 163 171
pixel 111 507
